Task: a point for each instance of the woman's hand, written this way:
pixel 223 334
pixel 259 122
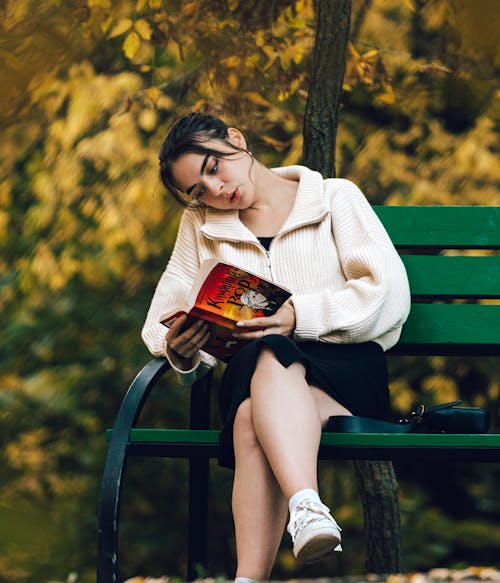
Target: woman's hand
pixel 184 342
pixel 283 322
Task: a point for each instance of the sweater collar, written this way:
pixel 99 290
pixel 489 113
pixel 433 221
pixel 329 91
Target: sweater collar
pixel 310 207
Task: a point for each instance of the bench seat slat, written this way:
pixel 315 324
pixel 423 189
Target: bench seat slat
pixel 459 277
pixel 211 437
pixel 203 444
pixel 459 227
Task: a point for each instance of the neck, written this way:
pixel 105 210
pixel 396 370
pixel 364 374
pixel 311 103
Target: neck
pixel 273 202
pixel 271 189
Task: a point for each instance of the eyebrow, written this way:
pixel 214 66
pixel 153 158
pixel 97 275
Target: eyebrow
pixel 205 160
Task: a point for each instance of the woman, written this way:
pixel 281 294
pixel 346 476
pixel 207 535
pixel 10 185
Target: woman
pixel 321 354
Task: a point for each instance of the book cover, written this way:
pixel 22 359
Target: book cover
pixel 223 294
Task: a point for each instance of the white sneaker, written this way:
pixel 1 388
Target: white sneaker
pixel 315 534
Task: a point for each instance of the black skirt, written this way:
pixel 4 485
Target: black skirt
pixel 355 375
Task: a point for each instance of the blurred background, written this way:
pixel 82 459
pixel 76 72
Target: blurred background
pixel 88 90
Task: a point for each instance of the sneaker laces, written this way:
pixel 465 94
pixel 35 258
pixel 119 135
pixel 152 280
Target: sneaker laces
pixel 307 512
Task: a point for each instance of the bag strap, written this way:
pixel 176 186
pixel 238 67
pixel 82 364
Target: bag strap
pixel 355 424
pixel 421 411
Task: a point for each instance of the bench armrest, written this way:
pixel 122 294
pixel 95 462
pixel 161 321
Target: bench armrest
pixel 126 419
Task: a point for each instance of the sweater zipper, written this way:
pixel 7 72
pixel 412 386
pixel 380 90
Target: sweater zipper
pixel 268 257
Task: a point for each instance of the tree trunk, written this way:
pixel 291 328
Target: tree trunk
pixel 376 480
pixel 378 488
pixel 325 86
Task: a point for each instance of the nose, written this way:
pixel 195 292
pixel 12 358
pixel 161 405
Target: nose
pixel 215 186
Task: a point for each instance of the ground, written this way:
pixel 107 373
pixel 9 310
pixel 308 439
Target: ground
pixel 469 575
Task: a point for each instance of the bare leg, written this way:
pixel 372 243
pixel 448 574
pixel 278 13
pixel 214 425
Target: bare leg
pixel 326 405
pixel 276 438
pixel 259 506
pixel 288 421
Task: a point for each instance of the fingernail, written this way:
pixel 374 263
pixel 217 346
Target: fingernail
pixel 240 324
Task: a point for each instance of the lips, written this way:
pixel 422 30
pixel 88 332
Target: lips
pixel 234 196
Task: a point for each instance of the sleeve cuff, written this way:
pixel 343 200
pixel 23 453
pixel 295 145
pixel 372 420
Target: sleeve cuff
pixel 200 367
pixel 307 321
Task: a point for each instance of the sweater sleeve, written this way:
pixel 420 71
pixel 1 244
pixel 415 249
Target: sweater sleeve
pixel 171 292
pixel 374 299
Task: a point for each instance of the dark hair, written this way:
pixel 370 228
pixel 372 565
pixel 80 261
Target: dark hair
pixel 188 134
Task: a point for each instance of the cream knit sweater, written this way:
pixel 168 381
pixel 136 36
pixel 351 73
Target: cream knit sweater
pixel 348 282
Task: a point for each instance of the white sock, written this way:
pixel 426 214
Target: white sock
pixel 300 496
pixel 244 580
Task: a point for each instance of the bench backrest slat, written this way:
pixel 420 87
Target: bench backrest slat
pixel 456 227
pixel 457 277
pixel 442 328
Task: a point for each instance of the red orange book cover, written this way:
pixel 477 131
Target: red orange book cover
pixel 223 294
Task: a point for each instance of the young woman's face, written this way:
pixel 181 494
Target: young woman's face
pixel 219 182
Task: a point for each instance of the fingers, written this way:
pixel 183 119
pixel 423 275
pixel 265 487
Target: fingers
pixel 283 322
pixel 187 342
pixel 259 327
pixel 256 334
pixel 177 324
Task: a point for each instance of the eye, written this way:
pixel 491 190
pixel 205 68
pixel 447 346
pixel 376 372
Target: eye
pixel 215 167
pixel 199 193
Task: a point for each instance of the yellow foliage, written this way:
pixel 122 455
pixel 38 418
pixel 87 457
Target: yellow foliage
pixel 353 51
pixel 67 486
pixel 294 155
pixel 388 96
pixel 121 27
pixel 232 80
pixel 28 451
pixel 143 28
pixel 148 120
pixel 402 397
pixel 494 390
pixel 99 3
pixel 154 95
pixel 232 61
pixel 438 363
pixel 257 98
pixel 443 388
pixel 271 54
pixel 131 45
pixel 4 224
pixel 260 39
pixel 44 267
pixel 189 8
pixel 15 12
pixel 9 566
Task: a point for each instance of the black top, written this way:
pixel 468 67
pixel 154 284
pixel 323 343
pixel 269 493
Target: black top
pixel 265 242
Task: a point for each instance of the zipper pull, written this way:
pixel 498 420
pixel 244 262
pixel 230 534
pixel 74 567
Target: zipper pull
pixel 268 254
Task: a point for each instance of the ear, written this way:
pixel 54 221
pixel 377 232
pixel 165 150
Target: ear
pixel 236 138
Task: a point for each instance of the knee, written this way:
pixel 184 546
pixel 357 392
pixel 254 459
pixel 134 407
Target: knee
pixel 243 429
pixel 267 362
pixel 270 369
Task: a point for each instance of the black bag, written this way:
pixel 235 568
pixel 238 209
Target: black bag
pixel 446 418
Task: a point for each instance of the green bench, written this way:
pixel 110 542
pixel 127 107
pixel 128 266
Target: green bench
pixel 449 316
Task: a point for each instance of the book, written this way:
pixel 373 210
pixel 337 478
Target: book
pixel 223 294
